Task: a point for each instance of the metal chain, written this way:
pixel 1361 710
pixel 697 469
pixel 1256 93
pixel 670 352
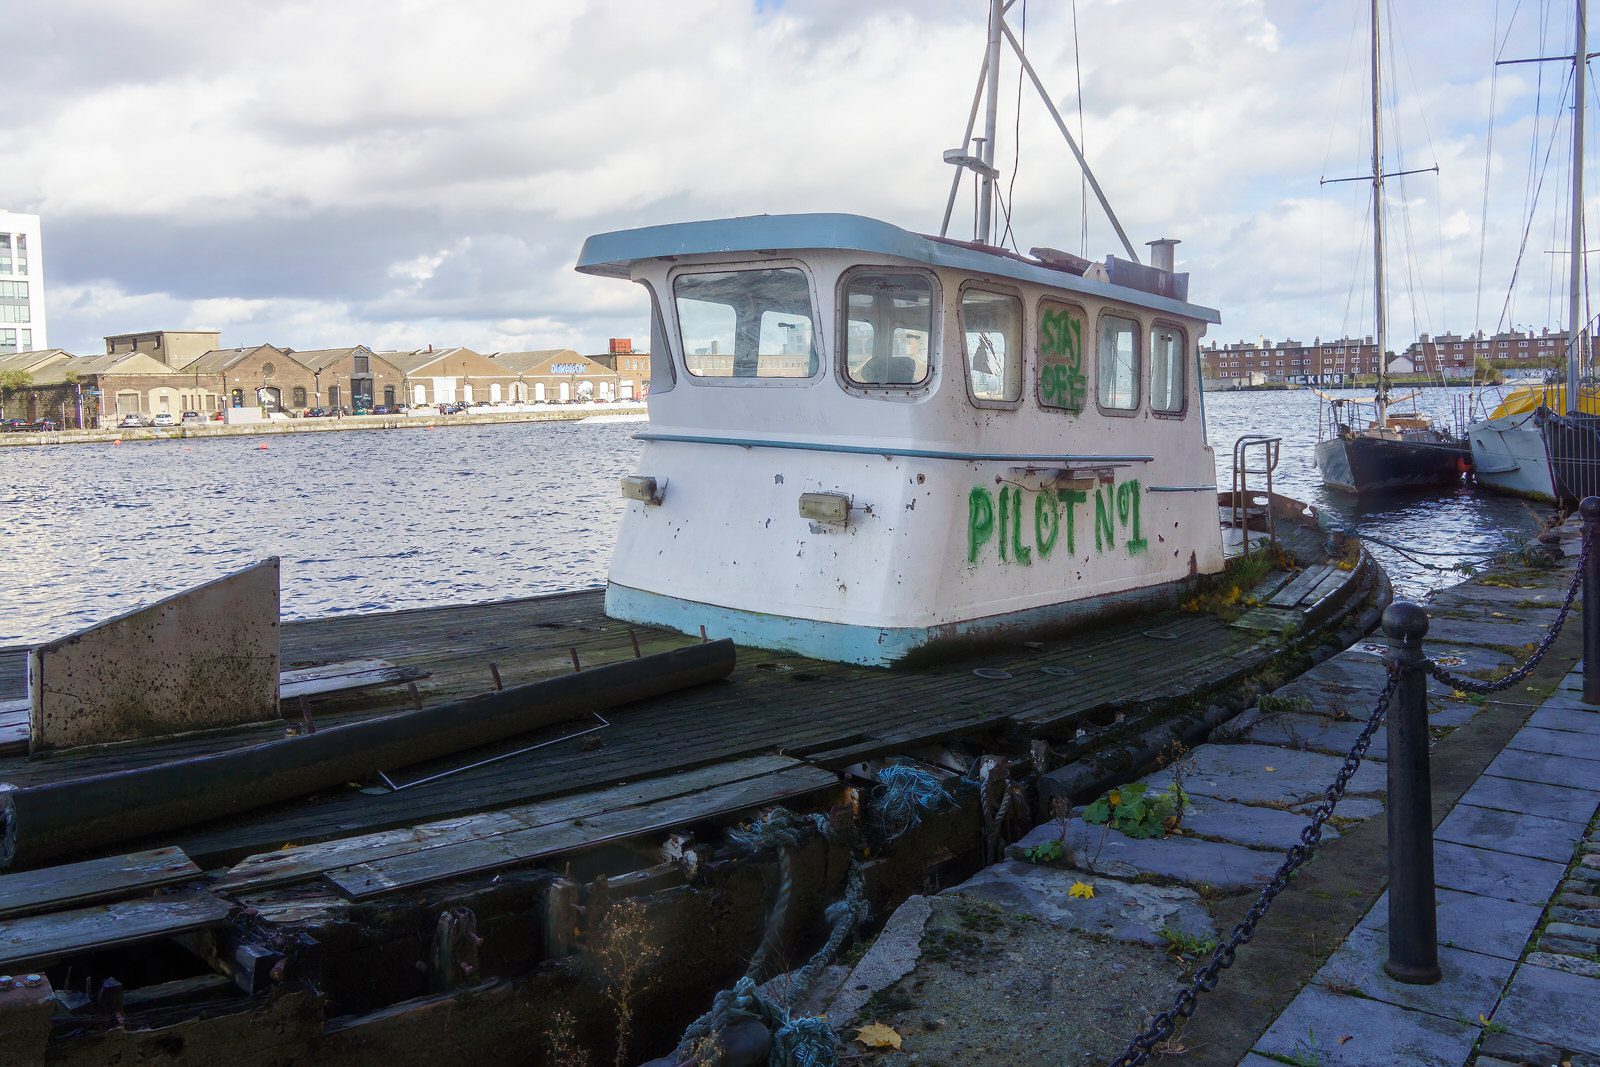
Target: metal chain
pixel 1482 688
pixel 1165 1024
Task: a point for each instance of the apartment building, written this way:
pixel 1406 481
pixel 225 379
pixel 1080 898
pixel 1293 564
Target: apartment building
pixel 22 318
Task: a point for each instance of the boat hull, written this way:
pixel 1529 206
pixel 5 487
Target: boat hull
pixel 1508 456
pixel 1364 465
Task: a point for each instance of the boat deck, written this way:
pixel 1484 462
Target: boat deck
pixel 826 714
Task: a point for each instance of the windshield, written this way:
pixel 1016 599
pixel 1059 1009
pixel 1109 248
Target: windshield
pixel 747 324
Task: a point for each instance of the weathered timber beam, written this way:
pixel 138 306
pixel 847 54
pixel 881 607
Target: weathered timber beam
pixel 45 822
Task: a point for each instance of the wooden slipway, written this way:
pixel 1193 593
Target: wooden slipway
pixel 332 907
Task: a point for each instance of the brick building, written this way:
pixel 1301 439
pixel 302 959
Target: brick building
pixel 265 375
pixel 1330 362
pixel 558 376
pixel 355 378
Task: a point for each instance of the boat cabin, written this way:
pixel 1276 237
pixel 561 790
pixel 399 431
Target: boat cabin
pixel 865 442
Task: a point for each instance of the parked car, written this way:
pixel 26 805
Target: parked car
pixel 45 424
pixel 383 409
pixel 133 422
pixel 13 425
pixel 164 418
pixel 316 413
pixel 216 416
pixel 192 418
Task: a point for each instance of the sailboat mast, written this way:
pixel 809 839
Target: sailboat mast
pixel 990 116
pixel 1575 320
pixel 1377 225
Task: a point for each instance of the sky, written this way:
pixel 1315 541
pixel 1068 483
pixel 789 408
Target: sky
pixel 399 173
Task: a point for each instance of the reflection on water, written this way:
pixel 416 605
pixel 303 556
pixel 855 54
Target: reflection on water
pixel 376 520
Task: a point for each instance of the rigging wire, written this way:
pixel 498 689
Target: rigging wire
pixel 1083 178
pixel 1488 159
pixel 1327 154
pixel 1537 190
pixel 1016 139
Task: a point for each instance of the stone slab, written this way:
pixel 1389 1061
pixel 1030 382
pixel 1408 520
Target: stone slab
pixel 1123 911
pixel 1470 985
pixel 1331 1030
pixel 1494 874
pixel 1569 771
pixel 1240 773
pixel 1476 923
pixel 1246 824
pixel 1189 860
pixel 1580 718
pixel 1583 745
pixel 1566 698
pixel 1511 630
pixel 200 659
pixel 1358 808
pixel 1532 798
pixel 1509 831
pixel 893 954
pixel 1456 658
pixel 1554 1007
pixel 1315 733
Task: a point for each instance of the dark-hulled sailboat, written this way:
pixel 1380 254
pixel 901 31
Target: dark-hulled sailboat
pixel 1392 452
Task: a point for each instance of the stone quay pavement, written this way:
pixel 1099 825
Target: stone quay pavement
pixel 1021 964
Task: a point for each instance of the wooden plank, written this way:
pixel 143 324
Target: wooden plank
pixel 74 884
pixel 1329 585
pixel 350 682
pixel 1266 620
pixel 1290 595
pixel 308 861
pixel 39 940
pixel 368 880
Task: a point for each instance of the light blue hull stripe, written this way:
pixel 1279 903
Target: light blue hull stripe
pixel 870 646
pixel 881 450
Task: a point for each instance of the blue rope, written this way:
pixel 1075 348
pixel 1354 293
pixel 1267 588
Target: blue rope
pixel 901 797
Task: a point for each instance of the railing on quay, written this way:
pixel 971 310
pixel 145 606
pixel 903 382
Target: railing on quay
pixel 1413 920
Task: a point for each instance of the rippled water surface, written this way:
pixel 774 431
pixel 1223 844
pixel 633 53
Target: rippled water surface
pixel 374 520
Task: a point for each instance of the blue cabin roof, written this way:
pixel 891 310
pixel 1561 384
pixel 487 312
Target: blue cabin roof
pixel 611 254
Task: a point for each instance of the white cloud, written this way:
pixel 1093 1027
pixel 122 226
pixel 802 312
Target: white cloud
pixel 426 169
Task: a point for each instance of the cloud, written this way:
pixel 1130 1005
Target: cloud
pixel 423 171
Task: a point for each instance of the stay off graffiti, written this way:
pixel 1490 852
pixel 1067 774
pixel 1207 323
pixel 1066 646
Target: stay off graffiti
pixel 1002 518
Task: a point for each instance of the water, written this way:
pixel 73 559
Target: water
pixel 377 520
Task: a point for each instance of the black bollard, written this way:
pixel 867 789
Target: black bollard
pixel 1590 510
pixel 1413 920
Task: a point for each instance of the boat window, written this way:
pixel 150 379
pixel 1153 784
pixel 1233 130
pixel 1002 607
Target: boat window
pixel 1062 383
pixel 888 327
pixel 1117 369
pixel 992 325
pixel 747 324
pixel 1166 370
pixel 663 372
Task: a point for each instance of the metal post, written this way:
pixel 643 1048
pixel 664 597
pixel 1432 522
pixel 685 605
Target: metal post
pixel 1590 509
pixel 1413 922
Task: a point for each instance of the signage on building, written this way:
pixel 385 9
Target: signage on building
pixel 567 368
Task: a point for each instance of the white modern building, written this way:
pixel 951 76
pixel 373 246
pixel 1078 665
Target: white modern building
pixel 22 326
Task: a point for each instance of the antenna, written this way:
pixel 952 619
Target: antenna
pixel 987 95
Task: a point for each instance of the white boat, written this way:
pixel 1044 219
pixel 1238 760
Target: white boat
pixel 866 444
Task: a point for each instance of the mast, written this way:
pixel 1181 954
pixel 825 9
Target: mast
pixel 1377 226
pixel 990 115
pixel 1575 323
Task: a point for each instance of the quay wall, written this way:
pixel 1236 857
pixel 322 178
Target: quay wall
pixel 560 413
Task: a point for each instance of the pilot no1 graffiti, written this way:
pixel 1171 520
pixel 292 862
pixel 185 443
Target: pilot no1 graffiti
pixel 1021 523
